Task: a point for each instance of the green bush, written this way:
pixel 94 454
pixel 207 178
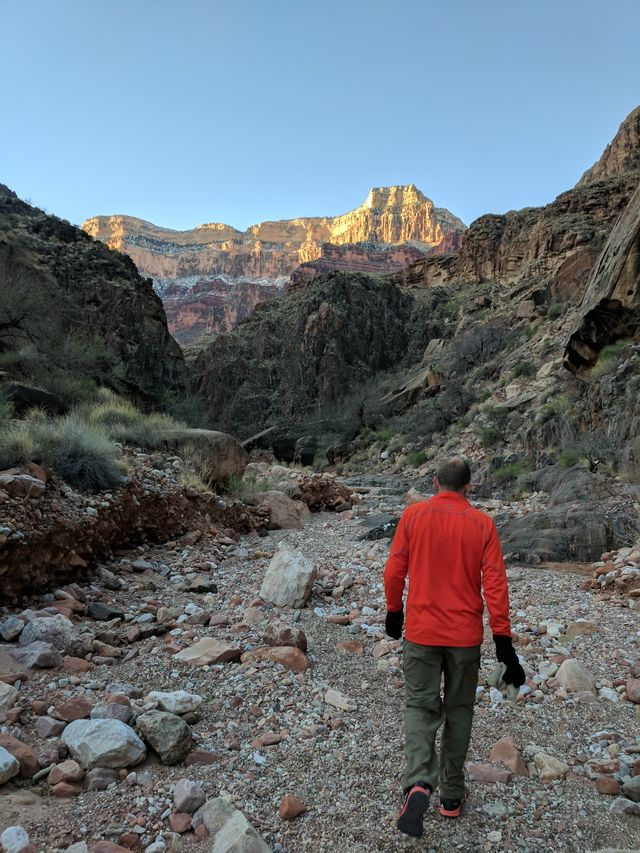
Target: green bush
pixel 554 310
pixel 523 368
pixel 557 406
pixel 16 445
pixel 123 422
pixel 488 435
pixel 608 357
pixel 81 453
pixel 569 458
pixel 418 458
pixel 509 472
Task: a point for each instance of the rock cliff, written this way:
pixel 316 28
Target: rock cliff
pixel 556 245
pixel 621 156
pixel 400 219
pixel 59 286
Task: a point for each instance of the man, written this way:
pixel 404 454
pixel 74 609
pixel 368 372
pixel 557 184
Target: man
pixel 452 555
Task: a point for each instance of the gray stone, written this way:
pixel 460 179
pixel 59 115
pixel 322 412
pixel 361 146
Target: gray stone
pixel 289 578
pixel 188 796
pixel 57 630
pixel 103 743
pixel 100 778
pixel 48 727
pixel 37 655
pixel 631 789
pixel 228 828
pixel 176 702
pixel 14 839
pixel 112 711
pixel 103 612
pixel 621 805
pixel 168 734
pixel 11 627
pixel 8 696
pixel 9 765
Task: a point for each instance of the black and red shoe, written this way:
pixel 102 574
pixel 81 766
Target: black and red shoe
pixel 452 808
pixel 413 811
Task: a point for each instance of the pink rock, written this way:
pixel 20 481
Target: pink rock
pixel 67 771
pixel 354 646
pixel 180 822
pixel 75 709
pixel 633 690
pixel 291 807
pixel 287 656
pixel 507 752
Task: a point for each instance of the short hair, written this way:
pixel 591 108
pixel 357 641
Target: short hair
pixel 454 474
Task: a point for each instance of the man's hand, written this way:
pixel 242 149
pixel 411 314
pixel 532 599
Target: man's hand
pixel 393 623
pixel 506 654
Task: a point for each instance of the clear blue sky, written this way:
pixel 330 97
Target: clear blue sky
pixel 191 111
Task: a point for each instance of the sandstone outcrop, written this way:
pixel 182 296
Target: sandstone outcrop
pixel 55 278
pixel 210 276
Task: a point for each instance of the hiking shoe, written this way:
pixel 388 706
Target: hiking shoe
pixel 412 815
pixel 452 808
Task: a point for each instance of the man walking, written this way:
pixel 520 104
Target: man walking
pixel 452 555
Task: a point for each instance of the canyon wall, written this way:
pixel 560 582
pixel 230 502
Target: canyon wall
pixel 202 273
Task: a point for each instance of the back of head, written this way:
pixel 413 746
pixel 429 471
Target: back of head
pixel 453 475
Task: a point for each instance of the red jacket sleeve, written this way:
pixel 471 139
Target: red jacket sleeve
pixel 494 585
pixel 397 566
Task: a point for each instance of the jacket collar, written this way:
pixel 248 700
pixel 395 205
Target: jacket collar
pixel 451 496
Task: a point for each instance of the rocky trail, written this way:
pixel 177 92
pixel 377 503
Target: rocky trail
pixel 316 717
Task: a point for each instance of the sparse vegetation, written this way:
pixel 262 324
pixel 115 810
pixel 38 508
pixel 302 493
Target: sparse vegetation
pixel 570 457
pixel 488 435
pixel 523 368
pixel 509 472
pixel 555 310
pixel 418 458
pixel 608 358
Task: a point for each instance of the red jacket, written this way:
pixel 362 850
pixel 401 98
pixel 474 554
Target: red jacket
pixel 451 552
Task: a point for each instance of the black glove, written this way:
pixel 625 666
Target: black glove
pixel 506 654
pixel 393 623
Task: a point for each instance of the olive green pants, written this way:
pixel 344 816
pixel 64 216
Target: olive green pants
pixel 426 711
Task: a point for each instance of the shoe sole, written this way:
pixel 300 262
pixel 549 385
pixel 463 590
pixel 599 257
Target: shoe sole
pixel 451 813
pixel 412 815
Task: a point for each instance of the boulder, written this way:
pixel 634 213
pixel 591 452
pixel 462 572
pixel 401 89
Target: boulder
pixel 38 655
pixel 9 766
pixel 57 630
pixel 103 743
pixel 216 455
pixel 228 828
pixel 631 789
pixel 188 796
pixel 284 513
pixel 168 734
pixel 176 702
pixel 66 771
pixel 289 578
pixel 506 751
pixel 14 839
pixel 574 676
pixel 23 753
pixel 11 627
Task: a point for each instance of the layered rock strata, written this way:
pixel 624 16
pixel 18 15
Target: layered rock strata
pixel 257 261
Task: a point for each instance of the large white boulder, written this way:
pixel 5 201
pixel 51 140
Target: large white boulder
pixel 175 702
pixel 8 696
pixel 9 765
pixel 103 743
pixel 289 578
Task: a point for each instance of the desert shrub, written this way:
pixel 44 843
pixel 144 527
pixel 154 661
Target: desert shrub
pixel 570 457
pixel 488 435
pixel 191 479
pixel 608 358
pixel 523 368
pixel 123 422
pixel 81 453
pixel 509 472
pixel 250 487
pixel 557 406
pixel 554 310
pixel 418 458
pixel 16 445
